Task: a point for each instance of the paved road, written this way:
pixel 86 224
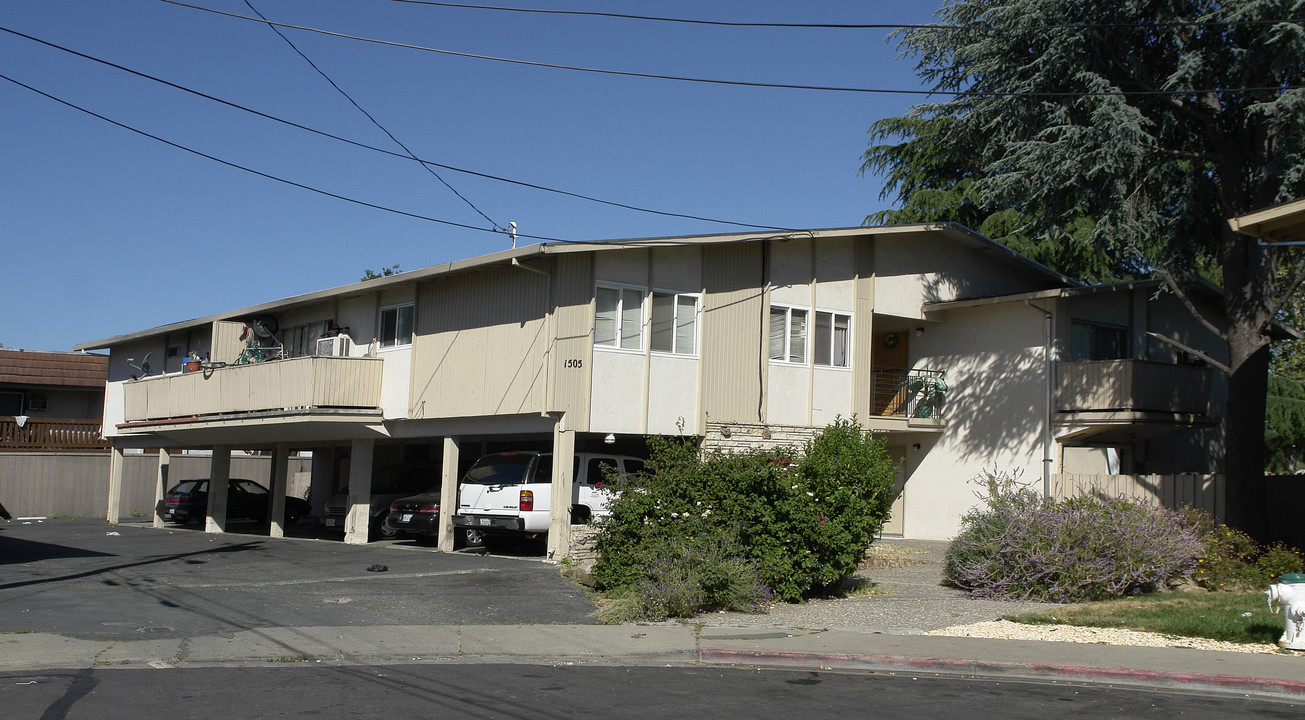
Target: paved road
pixel 83 579
pixel 531 692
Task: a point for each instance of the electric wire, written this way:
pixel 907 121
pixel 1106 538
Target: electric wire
pixel 373 120
pixel 844 26
pixel 268 176
pixel 741 83
pixel 373 148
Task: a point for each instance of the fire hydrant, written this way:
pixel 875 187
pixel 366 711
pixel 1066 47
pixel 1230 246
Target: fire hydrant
pixel 1290 594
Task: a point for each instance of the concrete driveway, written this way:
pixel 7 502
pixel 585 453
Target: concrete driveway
pixel 85 579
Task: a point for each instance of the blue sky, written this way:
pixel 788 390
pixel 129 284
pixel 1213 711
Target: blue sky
pixel 107 232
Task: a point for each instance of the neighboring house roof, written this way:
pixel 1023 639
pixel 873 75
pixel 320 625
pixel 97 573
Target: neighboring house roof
pixel 35 367
pixel 519 256
pixel 1280 223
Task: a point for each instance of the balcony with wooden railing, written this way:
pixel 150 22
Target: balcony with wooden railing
pixel 51 434
pixel 1136 386
pixel 295 385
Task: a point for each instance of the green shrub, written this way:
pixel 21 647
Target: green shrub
pixel 731 529
pixel 1230 560
pixel 1021 546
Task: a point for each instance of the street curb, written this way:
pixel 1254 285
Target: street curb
pixel 1287 689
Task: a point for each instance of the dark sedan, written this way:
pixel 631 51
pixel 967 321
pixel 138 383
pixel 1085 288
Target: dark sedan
pixel 418 517
pixel 246 499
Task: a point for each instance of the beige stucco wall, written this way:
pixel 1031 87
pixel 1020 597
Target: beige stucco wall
pixel 995 411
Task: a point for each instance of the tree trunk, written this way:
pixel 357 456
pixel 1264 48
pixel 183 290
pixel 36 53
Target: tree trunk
pixel 1248 289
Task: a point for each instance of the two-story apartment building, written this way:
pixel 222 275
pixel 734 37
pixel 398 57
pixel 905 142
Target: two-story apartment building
pixel 963 354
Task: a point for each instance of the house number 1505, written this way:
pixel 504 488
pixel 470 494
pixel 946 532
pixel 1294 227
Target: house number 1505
pixel 574 363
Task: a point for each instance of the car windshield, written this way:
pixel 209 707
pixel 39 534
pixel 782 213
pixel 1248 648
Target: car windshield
pixel 507 469
pixel 186 487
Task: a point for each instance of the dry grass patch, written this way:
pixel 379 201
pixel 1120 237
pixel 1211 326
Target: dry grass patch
pixel 881 557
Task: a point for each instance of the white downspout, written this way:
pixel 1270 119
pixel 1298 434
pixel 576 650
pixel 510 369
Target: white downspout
pixel 1050 372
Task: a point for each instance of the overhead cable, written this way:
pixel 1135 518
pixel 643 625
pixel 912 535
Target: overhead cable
pixel 268 176
pixel 373 120
pixel 373 148
pixel 847 26
pixel 739 83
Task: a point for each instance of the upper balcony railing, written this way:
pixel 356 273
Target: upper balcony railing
pixel 303 383
pixel 1132 386
pixel 899 392
pixel 59 434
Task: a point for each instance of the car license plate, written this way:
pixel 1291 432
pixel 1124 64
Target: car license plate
pixel 330 522
pixel 406 517
pixel 484 521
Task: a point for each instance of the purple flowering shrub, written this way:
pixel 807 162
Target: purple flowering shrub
pixel 1020 546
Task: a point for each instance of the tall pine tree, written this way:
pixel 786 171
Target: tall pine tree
pixel 1112 137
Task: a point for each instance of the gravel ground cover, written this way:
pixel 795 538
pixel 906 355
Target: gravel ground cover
pixel 905 594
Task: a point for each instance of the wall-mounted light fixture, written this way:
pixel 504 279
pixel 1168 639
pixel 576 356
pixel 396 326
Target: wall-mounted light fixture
pixel 919 331
pixel 890 340
pixel 610 439
pixel 916 447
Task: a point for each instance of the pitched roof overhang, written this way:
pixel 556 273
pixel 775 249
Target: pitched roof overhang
pixel 522 256
pixel 1277 224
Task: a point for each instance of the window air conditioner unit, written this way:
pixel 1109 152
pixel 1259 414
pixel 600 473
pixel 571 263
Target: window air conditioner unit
pixel 338 345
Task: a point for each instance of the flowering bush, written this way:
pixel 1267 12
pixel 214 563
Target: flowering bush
pixel 1020 546
pixel 743 527
pixel 1231 560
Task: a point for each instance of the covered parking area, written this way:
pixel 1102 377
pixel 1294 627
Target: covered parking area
pixel 349 449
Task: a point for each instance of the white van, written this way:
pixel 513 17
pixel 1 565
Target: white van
pixel 508 495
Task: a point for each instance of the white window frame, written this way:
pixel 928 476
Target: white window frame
pixel 678 339
pixel 788 357
pixel 834 316
pixel 619 337
pixel 380 326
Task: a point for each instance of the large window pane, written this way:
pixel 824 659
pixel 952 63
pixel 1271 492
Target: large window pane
pixel 778 333
pixel 403 334
pixel 686 324
pixel 606 302
pixel 662 330
pixel 822 338
pixel 631 318
pixel 797 341
pixel 841 325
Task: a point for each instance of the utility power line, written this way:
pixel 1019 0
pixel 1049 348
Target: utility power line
pixel 374 121
pixel 848 26
pixel 741 83
pixel 373 148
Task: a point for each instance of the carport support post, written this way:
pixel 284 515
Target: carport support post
pixel 280 468
pixel 448 493
pixel 112 512
pixel 559 521
pixel 161 486
pixel 357 522
pixel 218 475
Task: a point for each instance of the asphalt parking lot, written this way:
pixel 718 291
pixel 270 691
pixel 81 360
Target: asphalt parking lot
pixel 86 579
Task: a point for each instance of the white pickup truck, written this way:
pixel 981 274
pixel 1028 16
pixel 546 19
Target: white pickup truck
pixel 507 496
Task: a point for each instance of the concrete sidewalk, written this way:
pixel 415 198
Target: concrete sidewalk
pixel 1263 675
pixel 78 595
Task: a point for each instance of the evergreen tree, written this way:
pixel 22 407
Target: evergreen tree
pixel 1112 137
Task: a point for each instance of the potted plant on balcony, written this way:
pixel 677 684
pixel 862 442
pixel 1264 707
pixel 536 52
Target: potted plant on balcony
pixel 192 363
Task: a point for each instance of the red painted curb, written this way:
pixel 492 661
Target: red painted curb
pixel 1153 678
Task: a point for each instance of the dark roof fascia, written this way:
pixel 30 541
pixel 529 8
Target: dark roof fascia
pixel 518 255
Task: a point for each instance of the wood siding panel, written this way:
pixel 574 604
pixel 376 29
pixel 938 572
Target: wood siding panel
pixel 732 330
pixel 863 329
pixel 481 344
pixel 573 339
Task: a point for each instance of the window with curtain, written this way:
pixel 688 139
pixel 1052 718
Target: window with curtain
pixel 618 318
pixel 830 339
pixel 674 323
pixel 788 334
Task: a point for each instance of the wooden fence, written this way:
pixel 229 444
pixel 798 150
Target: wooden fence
pixel 1285 501
pixel 54 434
pixel 77 484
